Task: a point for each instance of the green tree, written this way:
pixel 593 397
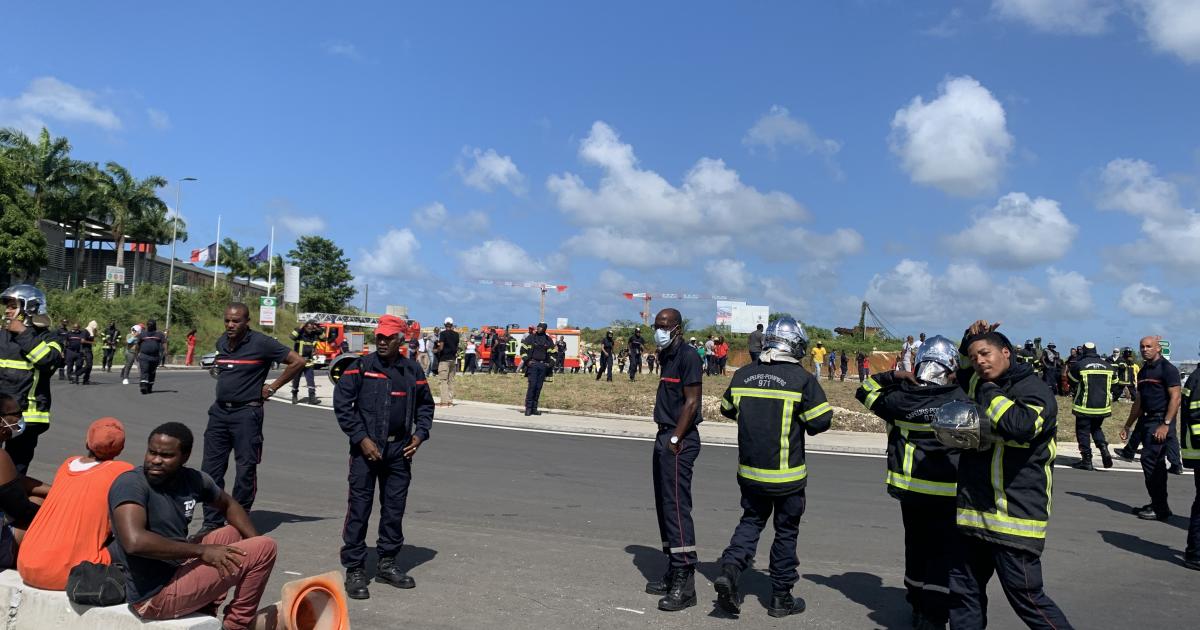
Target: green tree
pixel 236 260
pixel 22 244
pixel 325 278
pixel 44 166
pixel 129 199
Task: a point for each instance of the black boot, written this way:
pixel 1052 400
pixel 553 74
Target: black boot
pixel 295 396
pixel 389 573
pixel 783 604
pixel 727 589
pixel 661 586
pixel 356 584
pixel 1084 464
pixel 528 411
pixel 1105 458
pixel 683 591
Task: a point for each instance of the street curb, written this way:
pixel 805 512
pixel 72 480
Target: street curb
pixel 27 607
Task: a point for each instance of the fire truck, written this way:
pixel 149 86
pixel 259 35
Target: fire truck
pixel 570 335
pixel 340 343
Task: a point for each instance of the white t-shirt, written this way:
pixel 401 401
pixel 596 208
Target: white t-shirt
pixel 471 348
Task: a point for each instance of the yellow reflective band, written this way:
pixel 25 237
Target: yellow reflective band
pixel 1190 453
pixel 767 475
pixel 922 486
pixel 818 411
pixel 39 352
pixel 999 406
pixel 785 434
pixel 871 398
pixel 871 384
pixel 15 365
pixel 32 415
pixel 1050 475
pixel 971 387
pixel 1195 429
pixel 1002 523
pixel 998 478
pixel 912 426
pixel 777 394
pixel 726 404
pixel 1037 424
pixel 1194 405
pixel 909 449
pixel 1084 410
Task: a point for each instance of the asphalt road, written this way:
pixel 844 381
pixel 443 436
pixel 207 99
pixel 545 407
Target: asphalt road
pixel 513 529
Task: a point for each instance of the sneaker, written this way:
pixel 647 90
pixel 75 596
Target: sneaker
pixel 1148 513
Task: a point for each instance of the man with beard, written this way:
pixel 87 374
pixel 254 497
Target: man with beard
pixel 235 419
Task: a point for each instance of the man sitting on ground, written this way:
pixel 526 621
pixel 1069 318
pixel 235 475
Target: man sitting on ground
pixel 168 577
pixel 72 526
pixel 16 509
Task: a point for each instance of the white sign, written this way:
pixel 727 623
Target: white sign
pixel 561 323
pixel 746 317
pixel 266 310
pixel 114 274
pixel 1166 348
pixel 725 311
pixel 291 284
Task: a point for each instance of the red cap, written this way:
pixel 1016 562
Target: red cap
pixel 390 325
pixel 106 438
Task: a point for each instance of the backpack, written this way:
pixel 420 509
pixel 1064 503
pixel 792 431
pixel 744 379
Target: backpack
pixel 91 584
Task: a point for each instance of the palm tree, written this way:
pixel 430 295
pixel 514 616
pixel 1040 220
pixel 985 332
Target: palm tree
pixel 44 165
pixel 84 197
pixel 154 226
pixel 129 200
pixel 236 259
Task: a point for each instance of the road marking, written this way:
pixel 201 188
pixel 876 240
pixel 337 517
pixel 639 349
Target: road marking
pixel 293 573
pixel 636 612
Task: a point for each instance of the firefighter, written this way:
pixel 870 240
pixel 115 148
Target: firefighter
pixel 922 473
pixel 606 356
pixel 561 353
pixel 537 357
pixel 111 336
pixel 61 336
pixel 304 343
pixel 235 419
pixel 499 350
pixel 1154 410
pixel 1028 354
pixel 1051 365
pixel 74 353
pixel 636 345
pixel 510 351
pixel 151 348
pixel 1120 373
pixel 383 403
pixel 1190 429
pixel 1091 378
pixel 676 447
pixel 774 402
pixel 1004 479
pixel 29 355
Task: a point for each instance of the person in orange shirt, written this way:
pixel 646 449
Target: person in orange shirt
pixel 72 525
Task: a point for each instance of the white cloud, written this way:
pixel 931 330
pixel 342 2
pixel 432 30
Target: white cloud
pixel 1070 292
pixel 1083 17
pixel 958 142
pixel 611 280
pixel 1143 300
pixel 158 119
pixel 488 169
pixel 49 99
pixel 1173 26
pixel 1018 232
pixel 500 260
pixel 777 128
pixel 300 225
pixel 431 217
pixel 727 276
pixel 394 256
pixel 343 49
pixel 711 204
pixel 475 222
pixel 1170 232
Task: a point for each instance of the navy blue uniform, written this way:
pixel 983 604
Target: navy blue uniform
pixel 537 355
pixel 606 358
pixel 304 343
pixel 636 345
pixel 151 348
pixel 1154 379
pixel 72 349
pixel 235 420
pixel 673 472
pixel 390 404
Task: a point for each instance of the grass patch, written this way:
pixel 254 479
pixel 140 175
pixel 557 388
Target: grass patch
pixel 583 393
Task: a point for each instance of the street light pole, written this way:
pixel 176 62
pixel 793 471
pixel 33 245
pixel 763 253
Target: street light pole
pixel 174 234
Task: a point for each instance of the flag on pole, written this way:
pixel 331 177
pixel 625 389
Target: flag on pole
pixel 204 255
pixel 262 256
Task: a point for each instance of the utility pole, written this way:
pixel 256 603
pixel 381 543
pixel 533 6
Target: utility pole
pixel 366 297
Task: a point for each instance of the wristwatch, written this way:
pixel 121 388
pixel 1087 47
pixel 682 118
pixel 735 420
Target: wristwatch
pixel 674 439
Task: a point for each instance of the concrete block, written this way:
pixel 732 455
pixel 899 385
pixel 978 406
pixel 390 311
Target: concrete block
pixel 26 608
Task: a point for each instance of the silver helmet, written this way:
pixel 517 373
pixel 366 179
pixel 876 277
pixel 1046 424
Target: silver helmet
pixel 786 335
pixel 937 361
pixel 958 424
pixel 30 299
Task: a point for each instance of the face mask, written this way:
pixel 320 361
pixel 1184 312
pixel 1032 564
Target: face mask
pixel 662 338
pixel 16 429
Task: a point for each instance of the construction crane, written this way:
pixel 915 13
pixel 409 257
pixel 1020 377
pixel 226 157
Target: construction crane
pixel 646 297
pixel 542 287
pixel 860 331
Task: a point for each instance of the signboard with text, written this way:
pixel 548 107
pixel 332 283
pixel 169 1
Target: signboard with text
pixel 291 284
pixel 266 310
pixel 114 274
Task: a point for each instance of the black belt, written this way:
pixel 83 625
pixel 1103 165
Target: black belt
pixel 238 405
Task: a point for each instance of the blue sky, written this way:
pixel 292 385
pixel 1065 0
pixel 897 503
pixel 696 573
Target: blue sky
pixel 1032 161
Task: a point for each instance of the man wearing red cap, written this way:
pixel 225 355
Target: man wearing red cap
pixel 72 525
pixel 384 405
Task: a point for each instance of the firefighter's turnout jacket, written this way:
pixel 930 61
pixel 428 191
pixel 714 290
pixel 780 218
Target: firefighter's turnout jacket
pixel 1190 426
pixel 305 344
pixel 1005 492
pixel 1092 379
pixel 918 465
pixel 774 405
pixel 27 361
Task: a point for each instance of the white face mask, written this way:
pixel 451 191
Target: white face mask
pixel 662 337
pixel 15 429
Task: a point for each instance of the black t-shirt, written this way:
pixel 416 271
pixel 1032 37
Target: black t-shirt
pixel 678 369
pixel 449 351
pixel 635 344
pixel 1153 381
pixel 74 340
pixel 607 344
pixel 169 510
pixel 244 369
pixel 152 343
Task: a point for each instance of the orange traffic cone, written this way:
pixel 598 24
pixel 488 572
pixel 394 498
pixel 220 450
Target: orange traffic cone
pixel 312 603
